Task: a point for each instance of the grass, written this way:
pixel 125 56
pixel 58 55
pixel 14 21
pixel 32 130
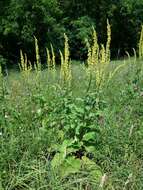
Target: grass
pixel 75 138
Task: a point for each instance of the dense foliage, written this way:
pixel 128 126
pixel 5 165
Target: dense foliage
pixel 49 19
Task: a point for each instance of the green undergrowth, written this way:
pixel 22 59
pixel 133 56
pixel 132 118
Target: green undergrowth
pixel 54 137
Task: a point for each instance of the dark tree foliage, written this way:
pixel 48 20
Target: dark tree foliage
pixel 125 16
pixel 21 20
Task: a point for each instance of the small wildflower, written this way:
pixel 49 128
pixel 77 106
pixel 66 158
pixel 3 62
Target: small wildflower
pixel 39 111
pixel 6 116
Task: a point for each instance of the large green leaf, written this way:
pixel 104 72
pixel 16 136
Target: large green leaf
pixel 89 136
pixel 70 166
pixel 57 160
pixel 90 149
pixel 94 170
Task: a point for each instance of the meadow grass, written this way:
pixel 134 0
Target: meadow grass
pixel 35 118
pixel 75 127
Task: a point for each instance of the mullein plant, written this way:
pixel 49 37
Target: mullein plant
pixel 99 56
pixel 93 57
pixel 139 65
pixel 107 61
pixel 65 72
pixel 48 59
pixel 51 60
pixel 1 79
pixel 25 65
pixel 98 60
pixel 141 44
pixel 37 65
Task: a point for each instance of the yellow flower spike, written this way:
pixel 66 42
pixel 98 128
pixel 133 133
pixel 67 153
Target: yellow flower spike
pixel 89 58
pixel 62 58
pixel 62 67
pixel 53 58
pixel 93 58
pixel 102 56
pixel 108 43
pixel 65 63
pixel 48 58
pixel 25 66
pixel 66 55
pixel 22 61
pixel 95 49
pixel 141 43
pixel 38 62
pixel 69 72
pixel 99 56
pixel 102 63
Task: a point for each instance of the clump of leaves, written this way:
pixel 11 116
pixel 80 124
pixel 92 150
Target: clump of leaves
pixel 77 123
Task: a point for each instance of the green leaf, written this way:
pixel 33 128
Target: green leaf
pixel 61 134
pixel 89 136
pixel 70 166
pixel 91 149
pixel 94 170
pixel 72 150
pixel 80 110
pixel 57 160
pixel 66 143
pixel 77 130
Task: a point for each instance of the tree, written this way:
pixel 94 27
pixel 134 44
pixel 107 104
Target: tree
pixel 25 19
pixel 48 20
